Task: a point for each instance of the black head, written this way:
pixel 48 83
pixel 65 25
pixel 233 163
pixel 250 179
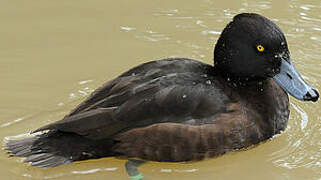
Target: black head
pixel 253 48
pixel 250 47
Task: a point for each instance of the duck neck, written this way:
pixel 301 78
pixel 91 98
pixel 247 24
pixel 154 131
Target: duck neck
pixel 238 81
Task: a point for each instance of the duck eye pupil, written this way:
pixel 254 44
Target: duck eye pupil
pixel 260 48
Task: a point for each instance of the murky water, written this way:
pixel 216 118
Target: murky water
pixel 54 53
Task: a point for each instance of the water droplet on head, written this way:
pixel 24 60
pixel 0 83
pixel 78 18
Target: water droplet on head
pixel 184 96
pixel 273 70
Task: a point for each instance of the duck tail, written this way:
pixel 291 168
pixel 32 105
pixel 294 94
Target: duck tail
pixel 58 148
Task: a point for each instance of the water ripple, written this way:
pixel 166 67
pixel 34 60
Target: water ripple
pixel 152 36
pixel 90 171
pixel 303 114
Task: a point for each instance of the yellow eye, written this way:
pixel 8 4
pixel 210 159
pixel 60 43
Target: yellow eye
pixel 260 48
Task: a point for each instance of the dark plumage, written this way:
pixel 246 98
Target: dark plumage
pixel 179 109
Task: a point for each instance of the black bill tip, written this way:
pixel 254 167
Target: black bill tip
pixel 311 96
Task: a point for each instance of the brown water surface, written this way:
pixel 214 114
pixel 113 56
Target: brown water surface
pixel 54 53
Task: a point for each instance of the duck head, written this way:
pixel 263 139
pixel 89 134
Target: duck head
pixel 253 48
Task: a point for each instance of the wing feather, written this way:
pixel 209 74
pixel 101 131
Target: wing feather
pixel 144 96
